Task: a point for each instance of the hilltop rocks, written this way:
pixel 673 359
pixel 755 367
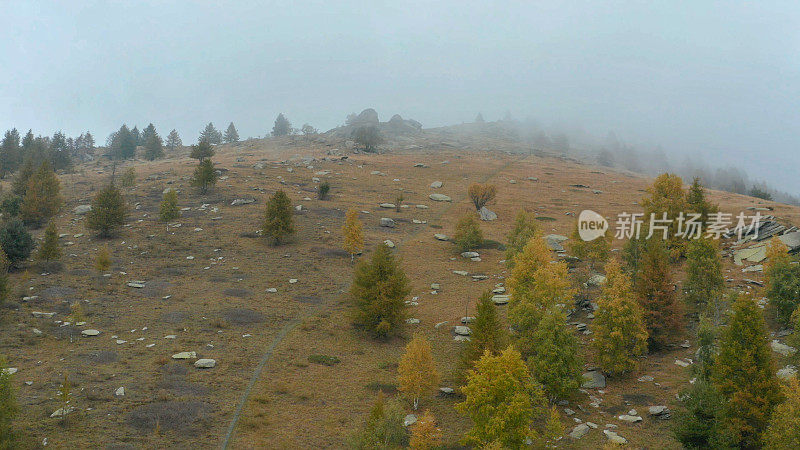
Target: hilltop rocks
pixel 487 214
pixel 440 198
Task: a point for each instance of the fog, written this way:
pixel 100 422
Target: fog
pixel 717 80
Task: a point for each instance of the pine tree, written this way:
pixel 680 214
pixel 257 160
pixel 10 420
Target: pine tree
pixel 379 290
pixel 153 147
pixel 777 257
pixel 50 250
pixel 666 196
pixel 502 400
pixel 5 288
pixel 168 209
pixel 202 151
pixel 620 336
pixel 123 143
pixel 148 132
pixel 231 135
pixel 108 211
pixel 594 251
pixel 204 176
pixel 8 407
pixel 20 184
pixel 102 261
pixel 704 281
pixel 137 137
pixel 278 221
pixel 353 231
pixel 663 312
pixel 524 229
pixel 10 152
pixel 383 429
pixel 174 140
pixel 783 290
pixel 744 374
pixel 555 362
pixel 42 197
pixel 16 242
pixel 468 235
pixel 425 435
pixel 784 425
pixel 487 333
pixel 416 372
pixel 696 199
pixel 210 135
pixel 282 126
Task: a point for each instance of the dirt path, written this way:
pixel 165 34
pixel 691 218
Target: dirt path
pixel 227 440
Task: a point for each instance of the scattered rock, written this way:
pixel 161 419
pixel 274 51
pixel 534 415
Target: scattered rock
pixel 615 438
pixel 462 330
pixel 554 242
pixel 82 209
pixel 205 363
pixel 90 332
pixel 387 222
pixel 440 198
pixel 500 299
pixel 629 418
pixel 596 280
pixel 136 284
pixel 660 411
pixel 579 431
pixel 389 243
pixel 387 205
pixel 446 390
pixel 441 237
pixel 120 392
pixel 782 349
pixel 470 254
pixel 593 380
pixel 409 420
pixel 185 355
pixel 487 214
pixel 787 373
pixel 242 201
pixel 60 412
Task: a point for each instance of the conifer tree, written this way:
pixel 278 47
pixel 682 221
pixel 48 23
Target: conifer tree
pixel 487 333
pixel 777 257
pixel 147 133
pixel 784 425
pixel 468 235
pixel 168 210
pixel 425 435
pixel 667 197
pixel 5 288
pixel 50 250
pixel 704 281
pixel 663 312
pixel 123 143
pixel 594 251
pixel 205 175
pixel 102 261
pixel 383 429
pixel 697 201
pixel 278 222
pixel 620 336
pixel 555 362
pixel 379 290
pixel 416 372
pixel 8 407
pixel 231 135
pixel 744 374
pixel 282 126
pixel 524 229
pixel 173 140
pixel 108 211
pixel 42 197
pixel 353 231
pixel 153 147
pixel 783 290
pixel 503 401
pixel 20 184
pixel 210 135
pixel 202 151
pixel 16 242
pixel 128 178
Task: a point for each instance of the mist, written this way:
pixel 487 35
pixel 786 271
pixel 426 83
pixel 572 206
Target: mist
pixel 716 82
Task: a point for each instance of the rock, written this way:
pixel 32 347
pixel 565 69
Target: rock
pixel 298 208
pixel 462 330
pixel 436 185
pixel 82 209
pixel 630 419
pixel 467 319
pixel 787 373
pixel 579 431
pixel 120 392
pixel 487 214
pixel 658 410
pixel 436 286
pixel 242 201
pixel 412 321
pixel 43 315
pixel 205 363
pixel 499 290
pixel 185 355
pixel 10 370
pixel 60 412
pixel 292 280
pixel 463 273
pixel 596 280
pixel 554 242
pixel 387 205
pixel 470 254
pixel 389 243
pixel 409 420
pixel 90 332
pixel 387 222
pixel 459 338
pixel 500 299
pixel 756 268
pixel 615 438
pixel 136 284
pixel 644 378
pixel 782 349
pixel 440 198
pixel 446 390
pixel 441 237
pixel 593 380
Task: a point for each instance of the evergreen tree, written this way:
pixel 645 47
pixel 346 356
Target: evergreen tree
pixel 308 130
pixel 88 141
pixel 8 407
pixel 416 372
pixel 16 242
pixel 60 152
pixel 777 257
pixel 468 235
pixel 783 290
pixel 202 151
pixel 173 140
pixel 168 209
pixel 10 152
pixel 487 333
pixel 353 231
pixel 108 211
pixel 663 312
pixel 383 429
pixel 205 175
pixel 102 261
pixel 5 287
pixel 666 199
pixel 210 135
pixel 619 330
pixel 153 147
pixel 744 374
pixel 479 118
pixel 20 184
pixel 50 250
pixel 278 221
pixel 128 178
pixel 123 143
pixel 503 401
pixel 282 126
pixel 696 199
pixel 784 425
pixel 379 290
pixel 147 133
pixel 42 199
pixel 137 137
pixel 704 281
pixel 231 135
pixel 524 229
pixel 555 362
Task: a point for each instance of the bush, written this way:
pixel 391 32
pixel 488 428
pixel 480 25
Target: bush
pixel 468 234
pixel 324 188
pixel 108 211
pixel 324 360
pixel 481 194
pixel 16 242
pixel 383 429
pixel 169 206
pixel 201 151
pixel 368 136
pixel 128 178
pixel 102 261
pixel 10 205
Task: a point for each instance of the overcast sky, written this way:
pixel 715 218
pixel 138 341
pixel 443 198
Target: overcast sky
pixel 714 78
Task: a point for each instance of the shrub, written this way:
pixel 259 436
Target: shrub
pixel 324 360
pixel 203 150
pixel 368 136
pixel 102 261
pixel 108 211
pixel 481 194
pixel 50 250
pixel 16 242
pixel 383 429
pixel 10 205
pixel 128 178
pixel 324 188
pixel 468 235
pixel 153 147
pixel 169 206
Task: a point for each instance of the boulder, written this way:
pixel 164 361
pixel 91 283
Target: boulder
pixel 500 299
pixel 120 392
pixel 579 431
pixel 82 209
pixel 205 363
pixel 436 185
pixel 387 205
pixel 787 373
pixel 185 355
pixel 593 380
pixel 470 254
pixel 90 332
pixel 782 349
pixel 487 214
pixel 440 198
pixel 462 330
pixel 554 242
pixel 387 222
pixel 441 237
pixel 242 201
pixel 409 420
pixel 615 438
pixel 389 243
pixel 630 419
pixel 596 280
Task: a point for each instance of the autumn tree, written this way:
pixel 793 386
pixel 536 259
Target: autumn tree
pixel 49 249
pixel 205 175
pixel 416 371
pixel 210 135
pixel 16 242
pixel 620 335
pixel 20 184
pixel 383 429
pixel 783 431
pixel 777 257
pixel 503 401
pixel 744 374
pixel 697 201
pixel 8 407
pixel 655 291
pixel 173 140
pixel 487 333
pixel 594 251
pixel 42 197
pixel 524 229
pixel 168 210
pixel 481 194
pixel 666 200
pixel 231 135
pixel 425 435
pixel 468 235
pixel 278 221
pixel 379 290
pixel 704 281
pixel 353 231
pixel 108 211
pixel 102 261
pixel 282 126
pixel 554 362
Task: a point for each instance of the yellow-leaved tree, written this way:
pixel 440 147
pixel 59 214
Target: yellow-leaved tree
pixel 620 335
pixel 416 372
pixel 353 231
pixel 666 199
pixel 784 425
pixel 777 256
pixel 425 435
pixel 524 229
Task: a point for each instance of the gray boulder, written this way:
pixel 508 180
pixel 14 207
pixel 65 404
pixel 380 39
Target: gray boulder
pixel 593 380
pixel 487 214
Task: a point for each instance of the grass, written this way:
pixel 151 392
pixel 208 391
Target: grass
pixel 325 360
